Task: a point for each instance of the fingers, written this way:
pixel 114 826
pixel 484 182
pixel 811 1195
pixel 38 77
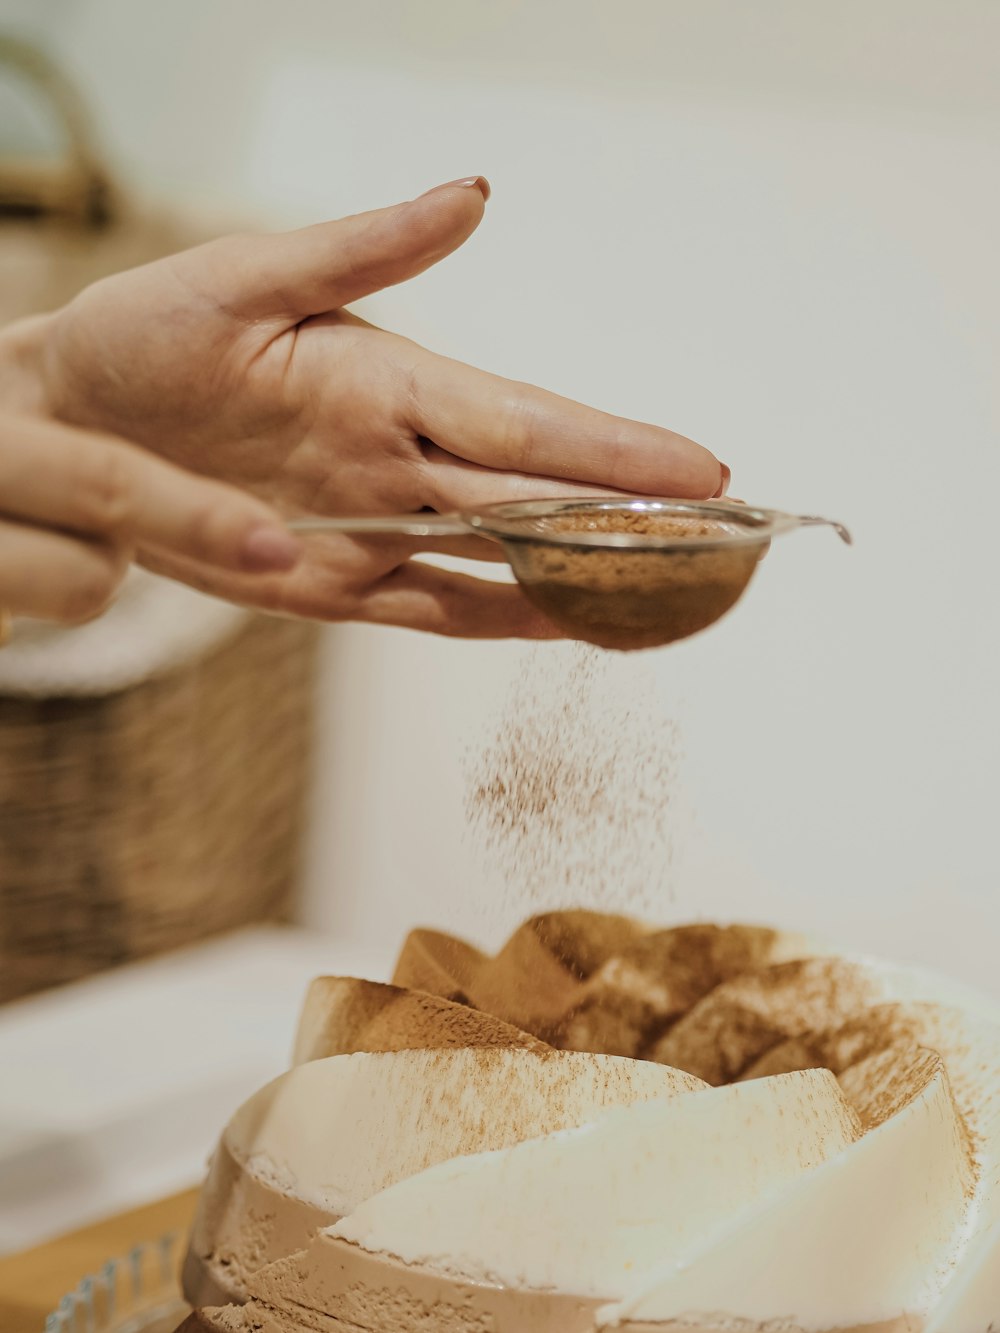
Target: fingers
pixel 452 483
pixel 439 601
pixel 53 576
pixel 107 491
pixel 341 579
pixel 514 427
pixel 288 277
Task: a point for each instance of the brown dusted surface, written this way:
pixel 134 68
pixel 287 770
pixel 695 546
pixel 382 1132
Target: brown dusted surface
pixel 378 1294
pixel 899 1026
pixel 724 1003
pixel 241 1223
pixel 837 1048
pixel 337 1285
pixel 438 963
pixel 203 1284
pixel 639 991
pixel 343 1015
pixel 882 1084
pixel 224 1320
pixel 740 1019
pixel 585 980
pixel 904 1324
pixel 218 1319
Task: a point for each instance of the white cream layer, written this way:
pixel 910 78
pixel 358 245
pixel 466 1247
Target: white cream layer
pixel 336 1131
pixel 589 1210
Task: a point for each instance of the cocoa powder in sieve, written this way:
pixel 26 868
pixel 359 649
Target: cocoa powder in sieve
pixel 627 598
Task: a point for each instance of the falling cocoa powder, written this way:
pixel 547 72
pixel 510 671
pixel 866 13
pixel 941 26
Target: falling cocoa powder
pixel 573 797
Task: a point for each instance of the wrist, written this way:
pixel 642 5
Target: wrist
pixel 22 373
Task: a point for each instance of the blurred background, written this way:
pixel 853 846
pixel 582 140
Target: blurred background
pixel 771 227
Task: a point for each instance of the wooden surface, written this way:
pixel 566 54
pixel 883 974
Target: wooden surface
pixel 32 1283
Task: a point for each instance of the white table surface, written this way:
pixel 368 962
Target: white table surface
pixel 113 1090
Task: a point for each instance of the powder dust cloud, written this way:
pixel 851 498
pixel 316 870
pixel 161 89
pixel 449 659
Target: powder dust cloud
pixel 573 795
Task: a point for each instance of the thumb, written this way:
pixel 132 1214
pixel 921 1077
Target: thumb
pixel 295 274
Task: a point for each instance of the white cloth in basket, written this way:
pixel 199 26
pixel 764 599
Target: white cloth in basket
pixel 153 626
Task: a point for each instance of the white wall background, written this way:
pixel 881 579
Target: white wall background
pixel 771 226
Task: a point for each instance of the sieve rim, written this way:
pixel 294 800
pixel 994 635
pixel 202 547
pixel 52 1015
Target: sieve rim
pixel 505 521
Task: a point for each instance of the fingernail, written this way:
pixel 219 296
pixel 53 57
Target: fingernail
pixel 467 182
pixel 724 484
pixel 269 550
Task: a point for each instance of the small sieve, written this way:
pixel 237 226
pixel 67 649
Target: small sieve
pixel 619 573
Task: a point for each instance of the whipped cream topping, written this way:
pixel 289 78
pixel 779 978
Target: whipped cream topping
pixel 971 1300
pixel 866 1236
pixel 594 1207
pixel 826 1155
pixel 337 1131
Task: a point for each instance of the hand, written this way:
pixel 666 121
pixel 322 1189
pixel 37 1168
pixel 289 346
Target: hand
pixel 238 360
pixel 74 504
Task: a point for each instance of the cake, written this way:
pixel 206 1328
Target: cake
pixel 610 1125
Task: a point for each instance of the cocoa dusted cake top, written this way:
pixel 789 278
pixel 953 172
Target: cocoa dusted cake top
pixel 612 1125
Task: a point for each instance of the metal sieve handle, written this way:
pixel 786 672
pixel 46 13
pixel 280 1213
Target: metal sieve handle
pixel 402 525
pixel 813 521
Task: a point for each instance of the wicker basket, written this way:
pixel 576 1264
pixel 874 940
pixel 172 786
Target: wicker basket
pixel 150 818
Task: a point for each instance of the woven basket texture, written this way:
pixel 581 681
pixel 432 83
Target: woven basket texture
pixel 147 819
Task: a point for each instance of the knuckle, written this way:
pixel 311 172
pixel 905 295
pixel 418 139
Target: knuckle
pixel 106 493
pixel 615 448
pixel 204 529
pixel 409 388
pixel 91 586
pixel 518 435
